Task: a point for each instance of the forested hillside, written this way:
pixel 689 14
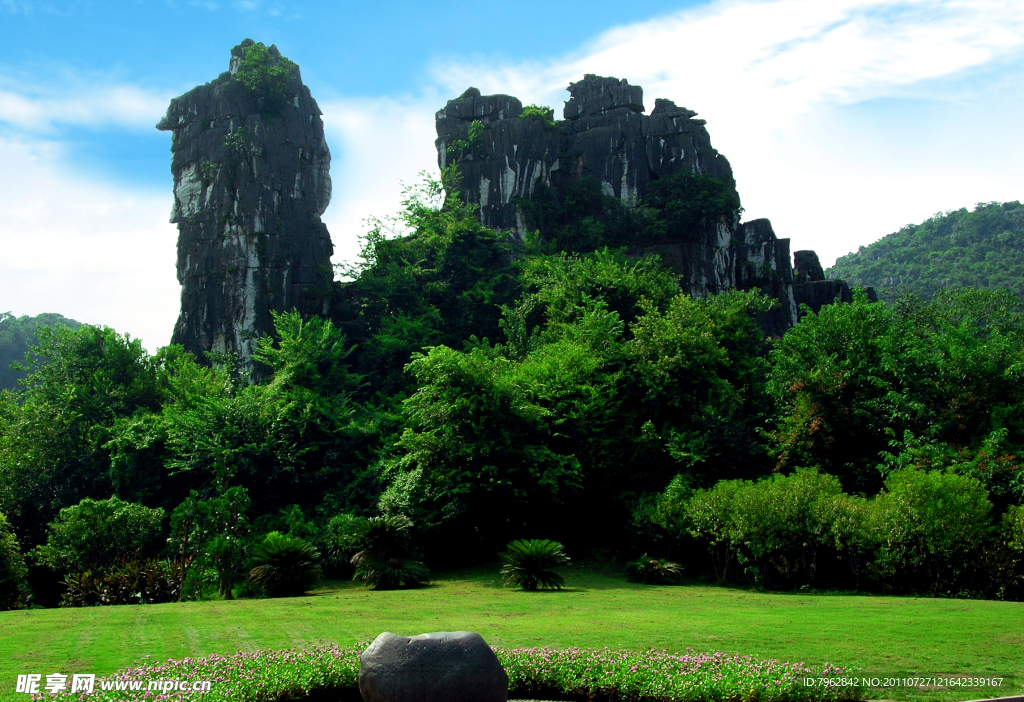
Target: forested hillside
pixel 982 248
pixel 471 396
pixel 16 335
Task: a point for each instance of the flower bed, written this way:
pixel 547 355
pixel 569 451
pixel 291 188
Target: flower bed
pixel 655 676
pixel 331 673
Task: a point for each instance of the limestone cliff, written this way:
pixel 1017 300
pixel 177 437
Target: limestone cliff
pixel 251 180
pixel 606 136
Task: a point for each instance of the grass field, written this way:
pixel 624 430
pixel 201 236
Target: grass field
pixel 881 635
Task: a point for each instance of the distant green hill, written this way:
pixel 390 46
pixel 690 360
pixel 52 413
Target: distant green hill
pixel 16 335
pixel 979 249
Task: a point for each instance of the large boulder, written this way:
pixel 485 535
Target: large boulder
pixel 446 666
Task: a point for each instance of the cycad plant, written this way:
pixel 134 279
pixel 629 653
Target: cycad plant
pixel 653 571
pixel 285 566
pixel 527 563
pixel 386 561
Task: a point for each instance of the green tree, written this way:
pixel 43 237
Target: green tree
pixel 433 275
pixel 930 526
pixel 53 446
pixel 476 459
pixel 13 572
pixel 288 440
pixel 17 334
pixel 211 534
pixel 867 388
pixel 100 533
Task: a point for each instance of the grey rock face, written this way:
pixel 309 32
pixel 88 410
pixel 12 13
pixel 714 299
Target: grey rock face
pixel 440 667
pixel 818 293
pixel 813 289
pixel 251 180
pixel 606 136
pixel 807 267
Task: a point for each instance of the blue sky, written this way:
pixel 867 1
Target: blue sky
pixel 843 119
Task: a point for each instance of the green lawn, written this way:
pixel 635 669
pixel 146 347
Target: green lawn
pixel 884 635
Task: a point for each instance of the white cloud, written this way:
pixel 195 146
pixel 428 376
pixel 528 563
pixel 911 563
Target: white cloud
pixel 376 145
pixel 80 102
pixel 96 253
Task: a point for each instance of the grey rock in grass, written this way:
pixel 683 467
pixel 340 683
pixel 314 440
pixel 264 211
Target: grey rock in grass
pixel 444 666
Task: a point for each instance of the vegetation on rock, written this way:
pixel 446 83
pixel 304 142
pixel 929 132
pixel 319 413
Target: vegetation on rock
pixel 266 73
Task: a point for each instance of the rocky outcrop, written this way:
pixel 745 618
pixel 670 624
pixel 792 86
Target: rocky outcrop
pixel 606 136
pixel 251 181
pixel 813 289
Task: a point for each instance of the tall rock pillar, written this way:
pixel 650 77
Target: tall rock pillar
pixel 251 180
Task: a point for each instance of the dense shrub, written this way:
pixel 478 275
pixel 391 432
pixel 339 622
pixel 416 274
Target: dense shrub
pixel 926 532
pixel 849 531
pixel 13 572
pixel 284 566
pixel 685 200
pixel 1004 557
pixel 528 564
pixel 99 533
pixel 710 516
pixel 387 560
pixel 133 582
pixel 542 113
pixel 653 571
pixel 776 526
pixel 338 542
pixel 930 526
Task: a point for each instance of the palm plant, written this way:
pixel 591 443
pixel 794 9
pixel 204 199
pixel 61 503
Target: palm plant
pixel 286 566
pixel 527 564
pixel 386 561
pixel 653 571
